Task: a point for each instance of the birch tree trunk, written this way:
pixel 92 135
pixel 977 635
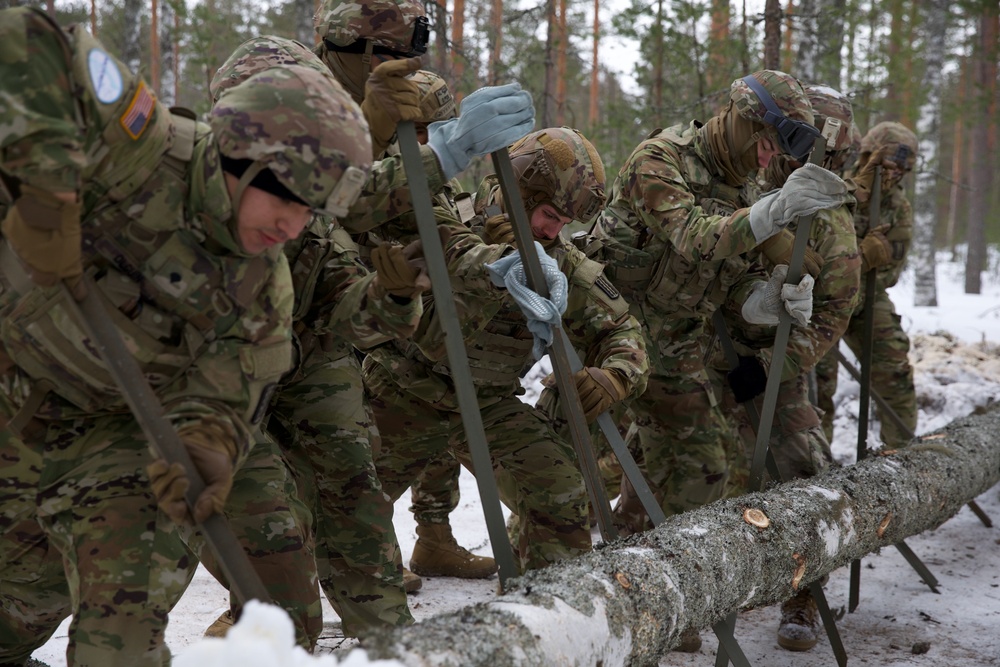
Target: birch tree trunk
pixel 627 603
pixel 929 131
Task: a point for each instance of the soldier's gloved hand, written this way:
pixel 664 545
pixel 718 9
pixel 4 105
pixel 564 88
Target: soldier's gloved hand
pixel 213 451
pixel 810 188
pixel 778 249
pixel 43 230
pixel 402 271
pixel 864 179
pixel 499 228
pixel 766 301
pixel 489 119
pixel 876 249
pixel 390 98
pixel 748 380
pixel 599 389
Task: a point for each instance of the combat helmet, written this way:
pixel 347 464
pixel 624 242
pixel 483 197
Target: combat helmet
pixel 296 125
pixel 260 53
pixel 887 133
pixel 777 100
pixel 390 27
pixel 834 117
pixel 436 101
pixel 560 166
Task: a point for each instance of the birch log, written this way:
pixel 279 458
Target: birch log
pixel 627 602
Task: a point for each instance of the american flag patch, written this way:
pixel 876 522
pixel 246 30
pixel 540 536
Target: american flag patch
pixel 140 110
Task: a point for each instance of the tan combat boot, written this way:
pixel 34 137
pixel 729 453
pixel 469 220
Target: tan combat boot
pixel 221 626
pixel 411 582
pixel 799 629
pixel 437 554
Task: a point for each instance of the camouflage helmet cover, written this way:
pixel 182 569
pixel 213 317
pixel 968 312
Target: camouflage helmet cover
pixel 783 88
pixel 390 24
pixel 436 100
pixel 560 166
pixel 889 132
pixel 304 128
pixel 830 103
pixel 260 53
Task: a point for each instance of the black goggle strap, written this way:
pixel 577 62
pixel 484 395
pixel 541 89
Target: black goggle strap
pixel 795 136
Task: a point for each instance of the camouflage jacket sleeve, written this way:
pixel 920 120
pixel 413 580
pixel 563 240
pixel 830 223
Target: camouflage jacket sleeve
pixel 336 294
pixel 41 141
pixel 899 216
pixel 386 194
pixel 664 203
pixel 598 323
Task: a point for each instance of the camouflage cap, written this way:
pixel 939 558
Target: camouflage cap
pixel 830 103
pixel 783 88
pixel 260 53
pixel 436 100
pixel 560 166
pixel 889 132
pixel 303 127
pixel 398 26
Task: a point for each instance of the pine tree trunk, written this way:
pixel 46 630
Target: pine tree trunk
pixel 929 131
pixel 718 46
pixel 593 115
pixel 772 34
pixel 563 39
pixel 829 41
pixel 627 603
pixel 496 36
pixel 154 47
pixel 981 178
pixel 93 17
pixel 457 45
pixel 786 51
pixel 658 47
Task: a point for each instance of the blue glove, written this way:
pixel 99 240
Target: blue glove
pixel 490 119
pixel 542 314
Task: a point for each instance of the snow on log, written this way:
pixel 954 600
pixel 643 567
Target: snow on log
pixel 627 602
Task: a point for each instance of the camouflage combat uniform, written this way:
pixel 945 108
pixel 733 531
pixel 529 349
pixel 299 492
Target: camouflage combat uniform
pixel 417 409
pixel 891 373
pixel 677 255
pixel 209 325
pixel 319 416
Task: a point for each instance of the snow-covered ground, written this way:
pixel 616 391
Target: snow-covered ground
pixel 898 616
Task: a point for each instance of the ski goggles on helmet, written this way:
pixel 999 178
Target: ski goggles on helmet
pixel 795 137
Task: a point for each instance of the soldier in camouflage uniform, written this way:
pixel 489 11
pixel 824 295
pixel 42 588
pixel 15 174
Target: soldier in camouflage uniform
pixel 883 245
pixel 676 233
pixel 561 178
pixel 176 227
pixel 797 442
pixel 435 492
pixel 319 415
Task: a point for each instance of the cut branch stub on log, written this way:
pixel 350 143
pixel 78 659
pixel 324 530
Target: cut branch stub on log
pixel 696 568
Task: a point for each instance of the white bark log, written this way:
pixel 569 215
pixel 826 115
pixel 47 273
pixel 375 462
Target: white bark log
pixel 625 603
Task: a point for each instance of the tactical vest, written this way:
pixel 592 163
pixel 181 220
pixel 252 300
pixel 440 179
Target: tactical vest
pixel 166 293
pixel 647 268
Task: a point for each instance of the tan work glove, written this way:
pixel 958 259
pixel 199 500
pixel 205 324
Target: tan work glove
pixel 864 179
pixel 499 229
pixel 44 232
pixel 390 98
pixel 213 451
pixel 778 249
pixel 599 389
pixel 402 271
pixel 876 249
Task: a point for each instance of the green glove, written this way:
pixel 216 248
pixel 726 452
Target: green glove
pixel 390 98
pixel 599 389
pixel 212 449
pixel 402 271
pixel 876 249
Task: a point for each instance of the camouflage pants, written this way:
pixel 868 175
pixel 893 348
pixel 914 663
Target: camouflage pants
pixel 272 524
pixel 324 425
pixel 892 373
pixel 434 494
pixel 81 535
pixel 539 480
pixel 678 432
pixel 797 442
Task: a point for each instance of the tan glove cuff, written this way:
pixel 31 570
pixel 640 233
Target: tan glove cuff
pixel 211 434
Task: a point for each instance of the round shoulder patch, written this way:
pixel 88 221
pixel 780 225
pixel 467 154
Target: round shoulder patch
pixel 104 76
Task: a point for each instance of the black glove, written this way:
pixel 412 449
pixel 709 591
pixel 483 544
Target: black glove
pixel 747 380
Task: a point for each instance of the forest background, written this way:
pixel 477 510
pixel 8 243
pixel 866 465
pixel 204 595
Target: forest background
pixel 619 69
